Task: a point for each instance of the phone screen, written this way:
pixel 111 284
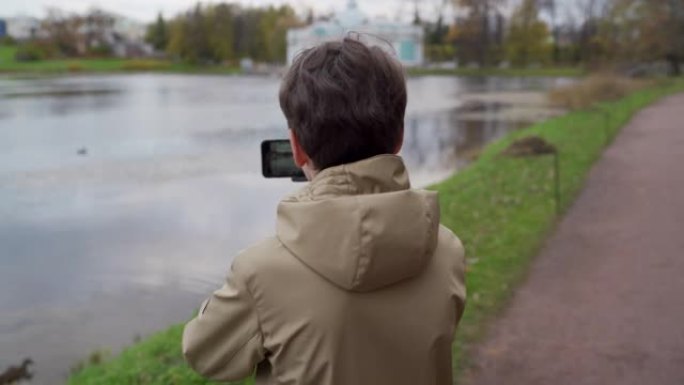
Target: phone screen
pixel 278 162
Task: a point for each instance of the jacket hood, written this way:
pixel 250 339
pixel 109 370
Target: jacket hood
pixel 360 225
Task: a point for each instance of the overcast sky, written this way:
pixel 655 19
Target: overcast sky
pixel 146 10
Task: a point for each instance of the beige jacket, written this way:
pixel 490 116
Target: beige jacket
pixel 361 286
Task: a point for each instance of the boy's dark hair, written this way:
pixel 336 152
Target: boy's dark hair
pixel 345 102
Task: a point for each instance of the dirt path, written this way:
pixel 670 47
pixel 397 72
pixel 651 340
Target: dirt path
pixel 604 302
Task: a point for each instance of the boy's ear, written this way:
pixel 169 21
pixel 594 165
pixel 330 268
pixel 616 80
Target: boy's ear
pixel 400 143
pixel 300 157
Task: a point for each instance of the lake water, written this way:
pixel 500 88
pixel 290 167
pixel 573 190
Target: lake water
pixel 124 198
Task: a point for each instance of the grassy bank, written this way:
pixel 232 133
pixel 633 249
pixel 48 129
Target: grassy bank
pixel 502 208
pixel 156 360
pixel 9 66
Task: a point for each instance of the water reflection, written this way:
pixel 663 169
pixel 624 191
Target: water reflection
pixel 127 238
pixel 436 144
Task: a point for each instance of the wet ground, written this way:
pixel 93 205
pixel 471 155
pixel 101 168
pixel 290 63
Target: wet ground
pixel 123 198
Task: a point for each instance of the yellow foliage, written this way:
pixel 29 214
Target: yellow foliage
pixel 528 39
pixel 144 65
pixel 75 67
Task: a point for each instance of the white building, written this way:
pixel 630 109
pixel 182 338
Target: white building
pixel 23 27
pixel 125 37
pixel 406 39
pixel 130 30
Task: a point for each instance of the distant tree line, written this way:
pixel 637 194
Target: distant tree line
pixel 225 32
pixel 205 34
pixel 541 32
pixel 70 35
pixel 482 33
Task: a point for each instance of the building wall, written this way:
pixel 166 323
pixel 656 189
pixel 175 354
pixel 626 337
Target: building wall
pixel 23 28
pixel 406 40
pixel 3 28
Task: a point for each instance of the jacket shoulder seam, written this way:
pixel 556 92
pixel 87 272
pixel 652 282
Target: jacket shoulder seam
pixel 361 259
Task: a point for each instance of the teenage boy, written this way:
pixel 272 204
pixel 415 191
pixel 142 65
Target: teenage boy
pixel 361 285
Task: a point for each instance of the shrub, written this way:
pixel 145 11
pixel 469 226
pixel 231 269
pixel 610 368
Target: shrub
pixel 75 67
pixel 7 40
pixel 440 52
pixel 594 89
pixel 144 65
pixel 100 51
pixel 30 52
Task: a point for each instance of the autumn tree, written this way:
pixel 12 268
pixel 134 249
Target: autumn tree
pixel 591 15
pixel 218 32
pixel 438 46
pixel 479 35
pixel 63 32
pixel 221 30
pixel 157 34
pixel 642 30
pixel 193 36
pixel 176 45
pixel 528 37
pixel 272 33
pixel 96 33
pixel 551 7
pixel 674 25
pixel 437 32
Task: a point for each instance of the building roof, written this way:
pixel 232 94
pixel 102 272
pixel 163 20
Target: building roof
pixel 351 17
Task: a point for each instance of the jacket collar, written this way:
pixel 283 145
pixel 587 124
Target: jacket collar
pixel 379 174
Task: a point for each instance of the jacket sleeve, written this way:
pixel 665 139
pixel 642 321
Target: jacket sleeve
pixel 224 342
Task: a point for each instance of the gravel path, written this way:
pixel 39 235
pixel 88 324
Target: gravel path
pixel 604 302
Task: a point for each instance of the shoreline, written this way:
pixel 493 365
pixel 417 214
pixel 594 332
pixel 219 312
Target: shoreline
pixel 61 69
pixel 8 66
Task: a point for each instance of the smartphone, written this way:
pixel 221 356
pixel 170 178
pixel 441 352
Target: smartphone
pixel 277 161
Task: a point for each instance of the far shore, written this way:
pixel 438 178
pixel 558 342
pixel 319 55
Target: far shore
pixel 8 66
pixel 118 66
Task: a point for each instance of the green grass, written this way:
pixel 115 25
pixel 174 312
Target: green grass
pixel 107 65
pixel 156 360
pixel 502 209
pixel 6 54
pixel 510 72
pixel 9 65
